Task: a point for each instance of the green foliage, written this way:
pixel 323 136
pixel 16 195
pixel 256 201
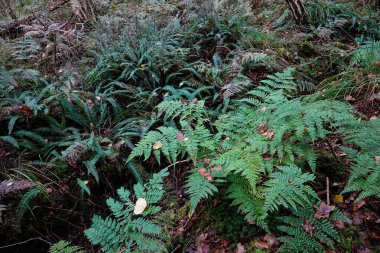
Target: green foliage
pixel 64 247
pixel 25 201
pixel 284 131
pixel 288 188
pixel 305 232
pixel 365 164
pixel 128 230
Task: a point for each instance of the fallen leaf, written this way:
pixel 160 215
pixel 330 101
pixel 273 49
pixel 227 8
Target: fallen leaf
pixel 261 244
pixel 339 224
pixel 338 199
pixel 216 168
pixel 268 134
pixel 180 136
pixel 358 205
pixel 350 98
pixel 308 227
pixel 157 145
pixel 262 128
pixel 205 173
pixel 207 161
pixel 270 238
pixel 240 248
pixel 323 211
pixel 357 218
pixel 140 206
pixel 90 104
pixel 251 222
pixel 375 235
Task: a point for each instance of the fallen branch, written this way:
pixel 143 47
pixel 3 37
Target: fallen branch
pixel 8 30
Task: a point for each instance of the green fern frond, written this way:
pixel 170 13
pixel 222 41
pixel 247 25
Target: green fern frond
pixel 164 140
pixel 198 187
pixel 288 188
pixel 64 247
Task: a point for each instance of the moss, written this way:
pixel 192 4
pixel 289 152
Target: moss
pixel 226 220
pixel 329 165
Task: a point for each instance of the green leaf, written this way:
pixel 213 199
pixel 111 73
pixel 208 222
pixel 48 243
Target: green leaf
pixel 83 186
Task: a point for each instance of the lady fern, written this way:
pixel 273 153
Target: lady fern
pixel 127 230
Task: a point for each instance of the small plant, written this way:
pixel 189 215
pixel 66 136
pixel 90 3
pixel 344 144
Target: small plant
pixel 64 247
pixel 133 226
pixel 304 231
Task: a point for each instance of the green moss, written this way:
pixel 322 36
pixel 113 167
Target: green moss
pixel 226 220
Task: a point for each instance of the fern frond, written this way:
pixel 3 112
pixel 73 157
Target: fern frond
pixel 287 188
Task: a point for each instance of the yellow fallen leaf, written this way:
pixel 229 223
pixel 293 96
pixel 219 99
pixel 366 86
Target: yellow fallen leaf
pixel 140 206
pixel 338 199
pixel 157 145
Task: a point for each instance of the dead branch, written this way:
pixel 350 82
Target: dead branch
pixel 10 29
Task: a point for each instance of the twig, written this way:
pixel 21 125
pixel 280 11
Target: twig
pixel 328 190
pixel 174 164
pixel 18 243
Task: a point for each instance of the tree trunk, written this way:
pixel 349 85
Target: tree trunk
pixel 298 12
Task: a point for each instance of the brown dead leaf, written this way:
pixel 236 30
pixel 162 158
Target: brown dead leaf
pixel 339 224
pixel 262 128
pixel 357 218
pixel 270 239
pixel 216 168
pixel 10 186
pixel 240 248
pixel 268 134
pixel 205 173
pixel 261 244
pixel 308 227
pixel 358 205
pixel 323 211
pixel 251 222
pixel 207 160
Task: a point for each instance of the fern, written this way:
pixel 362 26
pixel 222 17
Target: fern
pixel 198 187
pixel 288 188
pixel 127 230
pixel 365 164
pixel 305 233
pixel 164 140
pixel 64 247
pixel 24 203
